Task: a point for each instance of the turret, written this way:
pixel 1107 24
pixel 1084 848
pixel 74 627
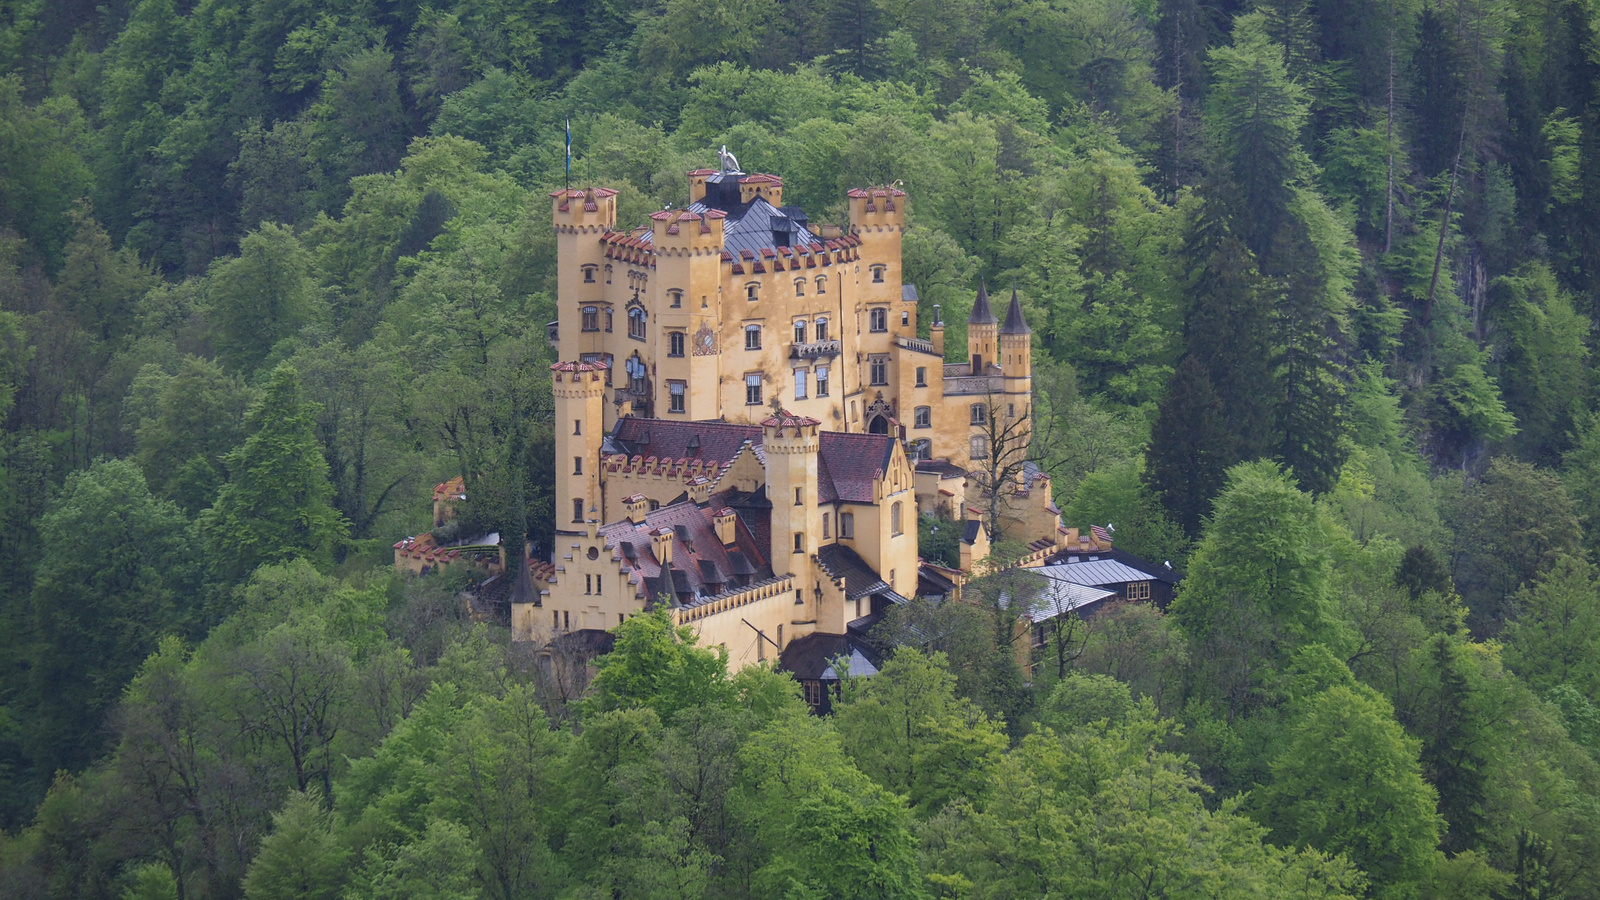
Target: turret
pixel 1016 344
pixel 579 390
pixel 936 331
pixel 581 217
pixel 982 328
pixel 792 444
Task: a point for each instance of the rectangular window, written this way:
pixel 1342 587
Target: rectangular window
pixel 980 414
pixel 924 417
pixel 588 584
pixel 676 297
pixel 822 329
pixel 752 337
pixel 894 518
pixel 577 509
pixel 877 274
pixel 752 390
pixel 588 274
pixel 799 543
pixel 827 527
pixel 799 331
pixel 675 343
pixel 577 465
pixel 591 318
pixel 878 319
pixel 980 447
pixel 1139 590
pixel 880 370
pixel 822 381
pixel 566 619
pixel 922 376
pixel 800 384
pixel 847 525
pixel 675 391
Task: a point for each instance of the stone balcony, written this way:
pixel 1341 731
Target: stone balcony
pixel 814 349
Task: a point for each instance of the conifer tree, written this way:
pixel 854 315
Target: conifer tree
pixel 277 504
pixel 1190 451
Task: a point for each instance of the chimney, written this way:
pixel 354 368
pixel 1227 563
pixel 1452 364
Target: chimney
pixel 936 331
pixel 661 544
pixel 637 506
pixel 726 526
pixel 698 489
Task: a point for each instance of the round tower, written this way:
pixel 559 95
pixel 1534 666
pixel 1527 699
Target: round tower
pixel 792 444
pixel 580 389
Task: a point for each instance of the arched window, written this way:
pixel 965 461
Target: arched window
pixel 822 284
pixel 636 318
pixel 752 290
pixel 924 417
pixel 799 287
pixel 588 274
pixel 894 519
pixel 980 447
pixel 877 273
pixel 591 318
pixel 676 297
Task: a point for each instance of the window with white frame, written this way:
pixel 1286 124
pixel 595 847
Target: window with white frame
pixel 675 394
pixel 799 331
pixel 980 413
pixel 800 384
pixel 822 381
pixel 752 337
pixel 847 525
pixel 923 417
pixel 980 447
pixel 878 319
pixel 879 369
pixel 752 389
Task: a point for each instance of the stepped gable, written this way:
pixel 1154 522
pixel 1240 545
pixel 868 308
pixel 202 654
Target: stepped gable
pixel 701 566
pixel 1016 323
pixel 981 313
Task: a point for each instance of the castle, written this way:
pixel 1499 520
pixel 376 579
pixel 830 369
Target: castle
pixel 747 425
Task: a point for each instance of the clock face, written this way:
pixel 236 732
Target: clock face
pixel 705 341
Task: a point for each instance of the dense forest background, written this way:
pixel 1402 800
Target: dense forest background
pixel 1313 284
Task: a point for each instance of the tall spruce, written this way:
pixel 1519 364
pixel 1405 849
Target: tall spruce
pixel 1190 450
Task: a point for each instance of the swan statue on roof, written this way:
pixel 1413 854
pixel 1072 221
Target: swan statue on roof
pixel 726 161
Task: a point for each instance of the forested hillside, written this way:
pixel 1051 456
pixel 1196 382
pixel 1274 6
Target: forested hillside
pixel 1313 285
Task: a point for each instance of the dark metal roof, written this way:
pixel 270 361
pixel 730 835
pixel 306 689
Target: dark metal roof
pixel 813 657
pixel 1015 322
pixel 981 313
pixel 908 293
pixel 859 578
pixel 749 226
pixel 969 533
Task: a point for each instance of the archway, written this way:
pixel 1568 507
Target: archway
pixel 878 425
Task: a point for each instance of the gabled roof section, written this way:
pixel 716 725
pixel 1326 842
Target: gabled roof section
pixel 1094 573
pixel 670 439
pixel 860 580
pixel 748 226
pixel 849 463
pixel 981 313
pixel 1041 598
pixel 701 565
pixel 1016 323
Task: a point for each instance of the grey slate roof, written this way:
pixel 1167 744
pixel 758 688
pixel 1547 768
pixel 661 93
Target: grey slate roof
pixel 1052 597
pixel 749 226
pixel 1094 572
pixel 859 578
pixel 1015 322
pixel 981 313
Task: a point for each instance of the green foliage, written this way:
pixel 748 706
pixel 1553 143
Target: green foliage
pixel 1348 782
pixel 657 665
pixel 276 504
pixel 302 857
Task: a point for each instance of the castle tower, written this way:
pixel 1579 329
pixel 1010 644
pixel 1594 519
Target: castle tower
pixel 1016 348
pixel 687 298
pixel 878 217
pixel 982 331
pixel 792 445
pixel 580 389
pixel 580 218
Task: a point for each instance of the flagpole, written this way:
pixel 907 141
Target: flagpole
pixel 569 154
